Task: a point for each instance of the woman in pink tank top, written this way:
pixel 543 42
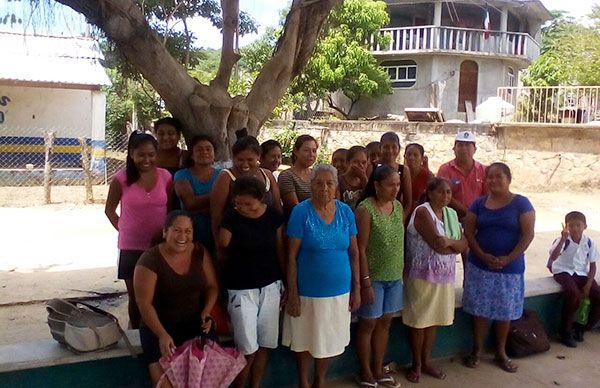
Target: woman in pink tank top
pixel 144 192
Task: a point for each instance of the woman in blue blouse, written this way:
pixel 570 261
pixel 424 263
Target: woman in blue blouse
pixel 499 227
pixel 193 186
pixel 322 277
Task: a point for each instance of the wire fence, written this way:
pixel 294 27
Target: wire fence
pixel 46 157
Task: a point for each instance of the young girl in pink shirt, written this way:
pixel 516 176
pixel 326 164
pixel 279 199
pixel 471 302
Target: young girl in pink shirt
pixel 144 192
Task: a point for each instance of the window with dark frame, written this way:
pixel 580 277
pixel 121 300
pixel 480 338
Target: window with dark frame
pixel 403 74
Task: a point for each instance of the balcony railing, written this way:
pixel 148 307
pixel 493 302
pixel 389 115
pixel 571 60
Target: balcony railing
pixel 452 39
pixel 558 104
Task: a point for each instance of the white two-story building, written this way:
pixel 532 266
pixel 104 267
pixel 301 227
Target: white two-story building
pixel 453 55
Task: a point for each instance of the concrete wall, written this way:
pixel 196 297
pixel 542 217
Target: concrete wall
pixel 542 158
pixel 444 70
pixel 416 96
pixel 72 113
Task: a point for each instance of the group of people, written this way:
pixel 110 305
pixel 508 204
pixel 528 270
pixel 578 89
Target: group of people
pixel 365 235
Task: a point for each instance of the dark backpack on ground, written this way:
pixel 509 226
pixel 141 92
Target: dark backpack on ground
pixel 527 336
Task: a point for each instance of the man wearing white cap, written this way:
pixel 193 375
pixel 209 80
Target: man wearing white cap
pixel 466 175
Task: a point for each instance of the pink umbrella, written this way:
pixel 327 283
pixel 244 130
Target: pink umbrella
pixel 202 363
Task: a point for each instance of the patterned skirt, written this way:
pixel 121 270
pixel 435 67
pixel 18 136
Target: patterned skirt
pixel 493 295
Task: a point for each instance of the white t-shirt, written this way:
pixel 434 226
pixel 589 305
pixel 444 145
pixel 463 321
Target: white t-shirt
pixel 575 258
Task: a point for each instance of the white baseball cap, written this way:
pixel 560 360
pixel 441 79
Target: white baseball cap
pixel 465 136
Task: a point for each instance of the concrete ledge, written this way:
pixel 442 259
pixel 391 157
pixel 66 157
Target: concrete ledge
pixel 48 353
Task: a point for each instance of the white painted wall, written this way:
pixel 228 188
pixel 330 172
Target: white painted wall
pixel 71 113
pixel 444 69
pixel 415 96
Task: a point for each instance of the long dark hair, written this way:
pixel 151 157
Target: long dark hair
pixel 136 140
pixel 355 150
pixel 503 167
pixel 172 121
pixel 268 145
pixel 171 217
pixel 380 173
pixel 391 137
pixel 432 184
pixel 418 146
pixel 300 140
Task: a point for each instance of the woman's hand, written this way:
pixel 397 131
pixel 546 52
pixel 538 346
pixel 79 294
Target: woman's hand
pixel 166 345
pixel 293 305
pixel 360 174
pixel 441 243
pixel 354 300
pixel 492 261
pixel 367 295
pixel 207 321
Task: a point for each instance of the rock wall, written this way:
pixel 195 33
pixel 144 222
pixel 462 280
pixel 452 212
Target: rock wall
pixel 537 161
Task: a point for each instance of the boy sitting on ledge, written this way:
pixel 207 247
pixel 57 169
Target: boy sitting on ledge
pixel 572 262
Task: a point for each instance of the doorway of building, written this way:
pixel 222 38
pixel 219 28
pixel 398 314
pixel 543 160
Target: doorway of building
pixel 467 86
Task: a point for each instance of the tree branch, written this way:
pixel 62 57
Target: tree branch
pixel 231 21
pixel 302 28
pixel 334 107
pixel 124 23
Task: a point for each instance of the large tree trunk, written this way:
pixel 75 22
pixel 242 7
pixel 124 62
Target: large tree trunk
pixel 209 109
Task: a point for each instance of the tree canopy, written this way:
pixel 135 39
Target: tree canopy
pixel 342 60
pixel 570 53
pixel 137 29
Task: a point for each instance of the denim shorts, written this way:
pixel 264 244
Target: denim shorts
pixel 388 299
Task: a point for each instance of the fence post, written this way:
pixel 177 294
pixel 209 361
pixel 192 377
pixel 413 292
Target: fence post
pixel 48 141
pixel 85 165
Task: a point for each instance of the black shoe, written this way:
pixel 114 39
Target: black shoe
pixel 568 340
pixel 578 331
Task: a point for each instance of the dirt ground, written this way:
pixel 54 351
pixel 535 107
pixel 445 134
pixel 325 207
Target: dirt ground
pixel 68 249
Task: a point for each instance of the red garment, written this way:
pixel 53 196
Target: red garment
pixel 465 188
pixel 419 185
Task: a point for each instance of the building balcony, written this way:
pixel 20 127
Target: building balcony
pixel 454 40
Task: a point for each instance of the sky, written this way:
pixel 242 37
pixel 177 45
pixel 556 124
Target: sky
pixel 64 21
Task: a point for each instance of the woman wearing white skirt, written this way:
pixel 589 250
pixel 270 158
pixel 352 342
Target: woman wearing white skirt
pixel 322 277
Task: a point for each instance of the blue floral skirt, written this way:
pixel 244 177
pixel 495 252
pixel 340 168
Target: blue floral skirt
pixel 493 295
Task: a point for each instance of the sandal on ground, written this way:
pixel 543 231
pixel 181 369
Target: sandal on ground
pixel 388 381
pixel 390 367
pixel 507 365
pixel 434 372
pixel 413 376
pixel 365 384
pixel 471 361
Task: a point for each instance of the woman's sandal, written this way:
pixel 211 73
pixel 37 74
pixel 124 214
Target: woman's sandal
pixel 388 381
pixel 434 372
pixel 471 361
pixel 413 376
pixel 507 365
pixel 390 367
pixel 365 384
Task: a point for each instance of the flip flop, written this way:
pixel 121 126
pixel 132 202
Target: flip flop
pixel 365 384
pixel 388 381
pixel 413 376
pixel 471 361
pixel 507 365
pixel 434 372
pixel 391 367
